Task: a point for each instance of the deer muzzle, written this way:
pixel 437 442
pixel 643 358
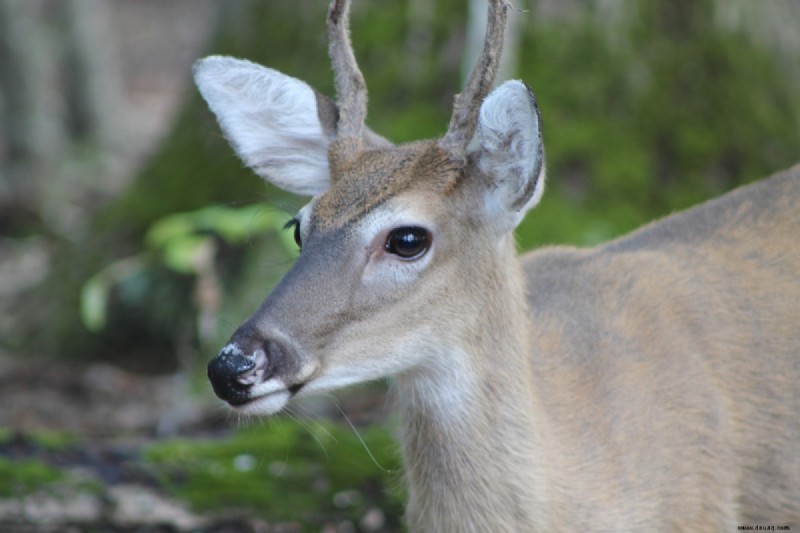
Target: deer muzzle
pixel 241 370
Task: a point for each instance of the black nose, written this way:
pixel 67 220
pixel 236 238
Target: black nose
pixel 232 373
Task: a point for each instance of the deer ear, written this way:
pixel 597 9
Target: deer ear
pixel 510 155
pixel 271 120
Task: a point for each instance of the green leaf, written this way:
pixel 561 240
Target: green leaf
pixel 234 225
pixel 94 300
pixel 182 253
pixel 94 294
pixel 167 229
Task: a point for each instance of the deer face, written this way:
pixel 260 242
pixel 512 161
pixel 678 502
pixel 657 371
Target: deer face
pixel 388 230
pixel 371 256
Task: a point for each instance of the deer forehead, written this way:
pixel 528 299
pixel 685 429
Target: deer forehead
pixel 372 177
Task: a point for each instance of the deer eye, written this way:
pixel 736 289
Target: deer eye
pixel 408 242
pixel 294 223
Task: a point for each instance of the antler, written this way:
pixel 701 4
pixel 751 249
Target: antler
pixel 467 104
pixel 352 90
pixel 350 86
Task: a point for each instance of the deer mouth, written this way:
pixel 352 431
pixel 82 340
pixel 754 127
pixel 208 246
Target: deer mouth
pixel 269 397
pixel 265 404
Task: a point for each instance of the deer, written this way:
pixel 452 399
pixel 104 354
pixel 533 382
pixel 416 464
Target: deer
pixel 650 383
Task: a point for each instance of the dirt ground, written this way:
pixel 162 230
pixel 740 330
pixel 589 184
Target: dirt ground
pixel 113 413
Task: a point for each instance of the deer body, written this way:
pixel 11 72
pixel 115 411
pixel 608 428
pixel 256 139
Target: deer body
pixel 649 384
pixel 634 398
pixel 674 346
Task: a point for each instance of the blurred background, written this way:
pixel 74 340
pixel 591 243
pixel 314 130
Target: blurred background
pixel 133 242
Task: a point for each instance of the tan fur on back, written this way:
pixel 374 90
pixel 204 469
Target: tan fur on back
pixel 677 350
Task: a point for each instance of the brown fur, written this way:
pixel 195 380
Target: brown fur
pixel 658 388
pixel 682 344
pixel 361 183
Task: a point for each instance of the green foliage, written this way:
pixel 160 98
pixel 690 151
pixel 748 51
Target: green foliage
pixel 670 111
pixel 51 440
pixel 179 238
pixel 21 476
pixel 24 476
pixel 285 471
pixel 97 290
pixel 182 242
pixel 43 439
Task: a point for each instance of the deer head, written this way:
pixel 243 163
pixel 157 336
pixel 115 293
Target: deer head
pixel 399 244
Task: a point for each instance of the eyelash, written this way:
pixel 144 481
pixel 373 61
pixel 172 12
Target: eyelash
pixel 294 223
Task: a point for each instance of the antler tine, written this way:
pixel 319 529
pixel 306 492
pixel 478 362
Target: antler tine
pixel 467 104
pixel 350 86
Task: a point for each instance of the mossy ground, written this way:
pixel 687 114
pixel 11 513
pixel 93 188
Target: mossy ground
pixel 308 472
pixel 305 475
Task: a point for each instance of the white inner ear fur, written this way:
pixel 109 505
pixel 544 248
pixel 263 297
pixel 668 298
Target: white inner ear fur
pixel 271 121
pixel 510 153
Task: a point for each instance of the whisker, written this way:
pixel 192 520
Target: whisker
pixel 296 418
pixel 361 439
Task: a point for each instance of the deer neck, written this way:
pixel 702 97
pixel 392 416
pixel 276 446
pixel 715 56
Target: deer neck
pixel 470 439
